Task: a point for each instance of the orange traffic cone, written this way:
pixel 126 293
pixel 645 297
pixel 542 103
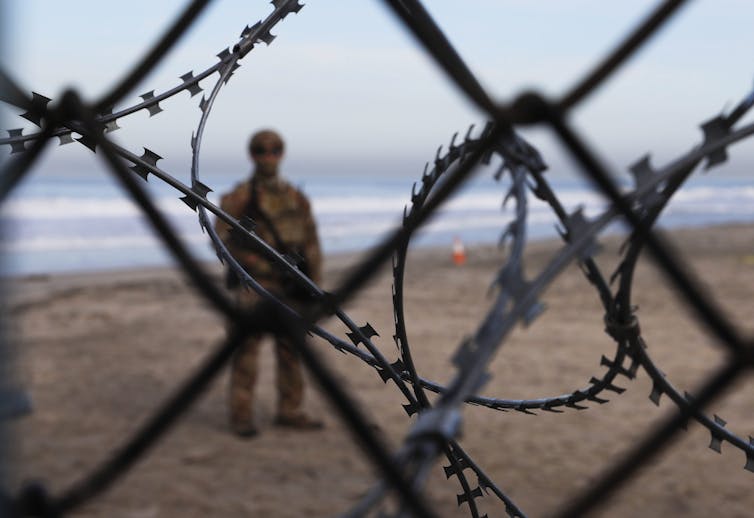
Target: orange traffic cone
pixel 459 253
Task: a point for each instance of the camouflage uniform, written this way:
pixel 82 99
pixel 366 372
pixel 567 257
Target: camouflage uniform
pixel 289 210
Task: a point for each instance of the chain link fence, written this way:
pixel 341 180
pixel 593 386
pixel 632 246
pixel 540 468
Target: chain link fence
pixel 434 433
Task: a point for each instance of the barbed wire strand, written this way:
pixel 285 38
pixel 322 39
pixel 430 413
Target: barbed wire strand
pixel 14 171
pixel 154 56
pixel 531 108
pixel 652 444
pixel 357 423
pixel 703 305
pixel 103 477
pixel 383 252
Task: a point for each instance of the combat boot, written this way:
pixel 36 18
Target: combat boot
pixel 244 428
pixel 299 421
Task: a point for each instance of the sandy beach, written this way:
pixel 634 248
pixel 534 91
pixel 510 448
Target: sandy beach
pixel 98 353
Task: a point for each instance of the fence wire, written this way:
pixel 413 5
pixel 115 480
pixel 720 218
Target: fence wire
pixel 434 432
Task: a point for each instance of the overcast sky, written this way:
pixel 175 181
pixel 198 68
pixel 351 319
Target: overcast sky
pixel 352 92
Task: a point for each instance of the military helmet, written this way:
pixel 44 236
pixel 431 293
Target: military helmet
pixel 266 135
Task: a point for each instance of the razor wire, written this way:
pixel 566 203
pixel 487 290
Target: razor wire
pixel 434 432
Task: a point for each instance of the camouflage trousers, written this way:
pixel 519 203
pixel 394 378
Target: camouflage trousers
pixel 244 373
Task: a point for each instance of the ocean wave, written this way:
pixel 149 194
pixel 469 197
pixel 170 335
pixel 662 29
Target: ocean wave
pixel 50 225
pixel 71 208
pixel 56 208
pixel 70 243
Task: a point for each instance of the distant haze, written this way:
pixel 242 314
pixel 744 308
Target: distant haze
pixel 353 94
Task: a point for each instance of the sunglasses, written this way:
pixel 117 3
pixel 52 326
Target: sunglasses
pixel 261 151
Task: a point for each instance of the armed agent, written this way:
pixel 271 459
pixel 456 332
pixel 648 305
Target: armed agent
pixel 284 221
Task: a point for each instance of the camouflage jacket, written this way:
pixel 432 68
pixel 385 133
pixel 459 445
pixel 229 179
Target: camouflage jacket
pixel 289 211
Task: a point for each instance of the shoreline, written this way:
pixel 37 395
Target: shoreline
pixel 34 286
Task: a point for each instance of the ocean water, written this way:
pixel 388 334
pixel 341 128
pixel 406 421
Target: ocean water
pixel 84 224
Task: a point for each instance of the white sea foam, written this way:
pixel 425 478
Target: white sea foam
pixel 56 208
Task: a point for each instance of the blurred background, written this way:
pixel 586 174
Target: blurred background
pixel 362 109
